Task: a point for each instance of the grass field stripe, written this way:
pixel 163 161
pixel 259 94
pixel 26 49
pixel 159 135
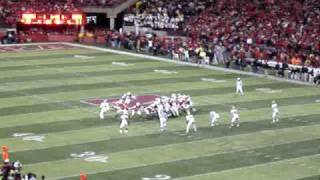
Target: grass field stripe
pixel 205 108
pixel 196 94
pixel 88 86
pixel 203 112
pixel 56 56
pixel 316 177
pixel 194 163
pixel 53 59
pixel 121 77
pixel 29 74
pixel 178 145
pixel 182 178
pixel 138 141
pixel 259 169
pixel 62 65
pixel 146 84
pixel 91 121
pixel 81 74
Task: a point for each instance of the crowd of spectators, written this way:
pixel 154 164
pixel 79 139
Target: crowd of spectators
pixel 13 171
pixel 97 3
pixel 164 14
pixel 285 31
pixel 186 49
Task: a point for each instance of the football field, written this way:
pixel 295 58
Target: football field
pixel 48 125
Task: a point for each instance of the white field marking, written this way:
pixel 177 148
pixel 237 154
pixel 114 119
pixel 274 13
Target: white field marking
pixel 21 134
pixel 122 64
pixel 82 155
pixel 158 177
pixel 213 80
pixel 163 71
pixel 29 44
pixel 40 47
pixel 181 178
pixel 34 138
pixel 98 158
pixel 290 161
pixel 29 137
pixel 83 57
pixel 89 103
pixel 268 90
pixel 190 64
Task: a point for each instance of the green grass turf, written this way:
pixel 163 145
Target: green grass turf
pixel 41 93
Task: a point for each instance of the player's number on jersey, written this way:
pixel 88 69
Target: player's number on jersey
pixel 158 177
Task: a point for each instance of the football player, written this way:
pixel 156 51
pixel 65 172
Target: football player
pixel 214 116
pixel 191 122
pixel 104 108
pixel 235 118
pixel 239 87
pixel 275 112
pixel 124 122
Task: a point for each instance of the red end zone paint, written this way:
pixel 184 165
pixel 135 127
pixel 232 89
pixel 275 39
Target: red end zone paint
pixel 143 99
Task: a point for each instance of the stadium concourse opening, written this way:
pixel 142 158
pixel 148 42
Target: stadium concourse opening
pixel 159 89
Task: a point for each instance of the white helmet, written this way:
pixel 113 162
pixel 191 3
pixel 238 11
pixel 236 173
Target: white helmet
pixel 238 79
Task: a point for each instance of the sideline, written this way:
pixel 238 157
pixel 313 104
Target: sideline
pixel 190 64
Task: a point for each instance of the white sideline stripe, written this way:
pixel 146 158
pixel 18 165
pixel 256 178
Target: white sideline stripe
pixel 29 44
pixel 189 158
pixel 190 64
pixel 253 166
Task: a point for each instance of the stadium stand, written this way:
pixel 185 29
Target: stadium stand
pixel 228 32
pixel 164 14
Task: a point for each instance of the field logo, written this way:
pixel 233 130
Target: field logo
pixel 213 80
pixel 29 137
pixel 90 156
pixel 268 90
pixel 145 100
pixel 165 71
pixel 121 64
pixel 158 177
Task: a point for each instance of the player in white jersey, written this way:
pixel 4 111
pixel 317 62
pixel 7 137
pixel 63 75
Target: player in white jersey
pixel 214 116
pixel 124 123
pixel 239 87
pixel 191 122
pixel 163 118
pixel 235 118
pixel 174 109
pixel 275 112
pixel 104 107
pixel 136 109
